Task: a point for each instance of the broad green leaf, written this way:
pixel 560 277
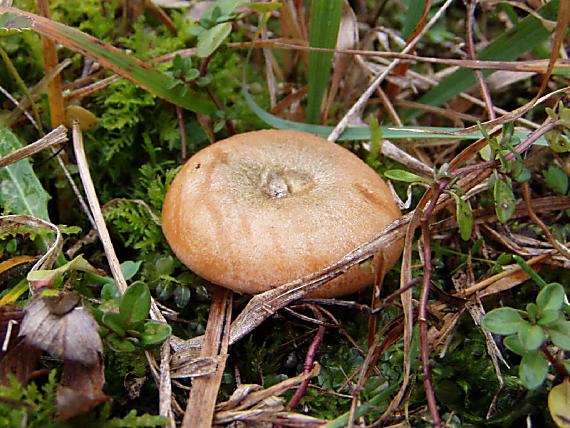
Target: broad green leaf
pixel 44 278
pixel 135 304
pixel 325 22
pixel 549 317
pixel 533 369
pixel 550 297
pixel 211 39
pixel 505 204
pixel 20 190
pixel 114 322
pixel 559 404
pixel 556 179
pixel 154 333
pixel 130 268
pixel 402 175
pixel 524 36
pixel 503 321
pixel 115 60
pixel 514 344
pixel 560 334
pixel 531 336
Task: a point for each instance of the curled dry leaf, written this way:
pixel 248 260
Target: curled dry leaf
pixel 58 326
pixel 81 389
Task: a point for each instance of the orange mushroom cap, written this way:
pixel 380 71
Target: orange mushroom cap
pixel 263 208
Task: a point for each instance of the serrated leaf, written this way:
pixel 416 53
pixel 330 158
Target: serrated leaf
pixel 531 337
pixel 503 321
pixel 551 297
pixel 154 333
pixel 135 305
pixel 402 175
pixel 533 369
pixel 505 203
pixel 560 334
pixel 556 179
pixel 20 190
pixel 211 39
pixel 559 404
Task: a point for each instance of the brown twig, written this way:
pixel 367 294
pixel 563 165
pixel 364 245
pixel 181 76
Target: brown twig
pixel 182 127
pixel 485 94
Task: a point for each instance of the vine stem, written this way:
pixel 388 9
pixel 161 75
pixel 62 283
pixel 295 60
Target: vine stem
pixel 422 315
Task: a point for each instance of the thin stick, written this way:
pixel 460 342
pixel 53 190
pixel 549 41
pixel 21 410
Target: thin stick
pixel 95 207
pixel 341 126
pixel 55 137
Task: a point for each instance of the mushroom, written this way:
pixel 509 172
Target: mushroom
pixel 263 208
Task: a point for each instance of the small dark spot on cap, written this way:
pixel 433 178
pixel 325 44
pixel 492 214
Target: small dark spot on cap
pixel 197 166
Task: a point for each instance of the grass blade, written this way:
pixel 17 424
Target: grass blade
pixel 523 37
pixel 325 21
pixel 109 57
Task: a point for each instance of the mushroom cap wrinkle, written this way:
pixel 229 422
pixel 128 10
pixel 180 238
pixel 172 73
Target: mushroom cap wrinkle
pixel 263 208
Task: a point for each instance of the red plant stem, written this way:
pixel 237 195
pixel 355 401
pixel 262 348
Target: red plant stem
pixel 307 367
pixel 182 126
pixel 560 368
pixel 423 312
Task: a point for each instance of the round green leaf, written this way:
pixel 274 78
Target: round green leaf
pixel 560 334
pixel 514 344
pixel 531 337
pixel 503 321
pixel 154 333
pixel 533 369
pixel 182 296
pixel 549 318
pixel 550 297
pixel 211 39
pixel 135 304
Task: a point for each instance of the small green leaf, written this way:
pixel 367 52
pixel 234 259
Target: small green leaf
pixel 135 304
pixel 114 322
pixel 531 337
pixel 560 334
pixel 110 291
pixel 503 321
pixel 130 268
pixel 558 142
pixel 182 296
pixel 40 278
pixel 464 216
pixel 154 333
pixel 118 344
pixel 556 179
pixel 532 312
pixel 514 344
pixel 549 317
pixel 211 39
pixel 533 369
pixel 550 297
pixel 504 200
pixel 406 176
